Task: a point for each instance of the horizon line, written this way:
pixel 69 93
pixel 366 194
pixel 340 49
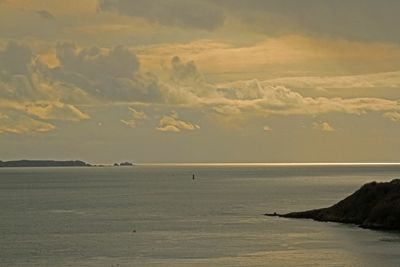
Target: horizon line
pixel 267 164
pixel 234 163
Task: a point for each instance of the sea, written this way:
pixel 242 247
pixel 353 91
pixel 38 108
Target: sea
pixel 158 215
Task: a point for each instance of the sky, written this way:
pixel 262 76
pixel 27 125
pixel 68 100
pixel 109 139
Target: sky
pixel 200 80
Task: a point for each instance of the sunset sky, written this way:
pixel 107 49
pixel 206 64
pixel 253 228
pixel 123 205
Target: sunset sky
pixel 200 80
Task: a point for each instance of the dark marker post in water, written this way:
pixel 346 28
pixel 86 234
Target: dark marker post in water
pixel 193 176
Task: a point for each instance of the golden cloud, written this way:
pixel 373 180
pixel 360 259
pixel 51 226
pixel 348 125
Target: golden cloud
pixel 323 126
pixel 136 117
pixel 172 123
pixel 20 124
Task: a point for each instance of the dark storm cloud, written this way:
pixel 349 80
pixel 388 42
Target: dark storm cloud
pixel 111 75
pixel 352 19
pixel 183 13
pixel 355 19
pixel 91 62
pixel 105 74
pixel 181 70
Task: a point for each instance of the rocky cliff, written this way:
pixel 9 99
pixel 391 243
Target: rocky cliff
pixel 374 205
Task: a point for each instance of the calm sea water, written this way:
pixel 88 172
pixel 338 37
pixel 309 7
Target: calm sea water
pixel 159 216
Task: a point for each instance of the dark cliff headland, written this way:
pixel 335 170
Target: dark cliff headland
pixel 44 163
pixel 374 206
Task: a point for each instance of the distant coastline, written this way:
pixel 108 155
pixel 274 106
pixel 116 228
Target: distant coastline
pixel 44 163
pixel 57 163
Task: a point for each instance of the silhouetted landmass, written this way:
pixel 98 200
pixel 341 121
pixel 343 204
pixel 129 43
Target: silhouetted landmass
pixel 374 205
pixel 43 163
pixel 122 164
pixel 126 164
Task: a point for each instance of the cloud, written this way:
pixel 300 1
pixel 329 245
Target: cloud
pixel 26 90
pixel 323 126
pixel 15 59
pixel 355 19
pixel 110 75
pixel 278 56
pixel 365 81
pixel 393 116
pixel 85 7
pixel 183 71
pixel 21 124
pixel 117 62
pixel 235 102
pixel 136 117
pixel 46 110
pixel 253 97
pixel 184 85
pixel 180 13
pixel 90 76
pixel 266 128
pixel 172 123
pixel 45 14
pixel 55 111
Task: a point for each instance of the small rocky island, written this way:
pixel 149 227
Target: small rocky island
pixel 123 164
pixel 374 206
pixel 44 163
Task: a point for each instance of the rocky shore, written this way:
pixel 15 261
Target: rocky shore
pixel 374 206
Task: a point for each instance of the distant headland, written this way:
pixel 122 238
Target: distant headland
pixel 54 163
pixel 374 205
pixel 44 163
